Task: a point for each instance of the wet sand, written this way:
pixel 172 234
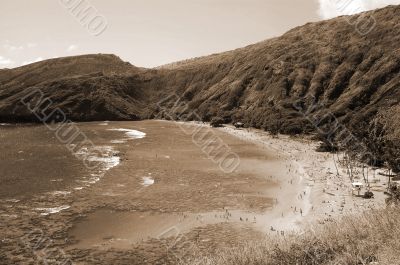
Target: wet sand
pixel 166 195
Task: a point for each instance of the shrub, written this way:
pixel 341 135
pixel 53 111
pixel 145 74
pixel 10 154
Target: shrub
pixel 217 122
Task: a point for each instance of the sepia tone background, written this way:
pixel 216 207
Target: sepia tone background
pixel 155 32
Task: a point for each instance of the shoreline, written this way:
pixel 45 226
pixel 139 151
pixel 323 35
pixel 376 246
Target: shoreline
pixel 165 181
pixel 327 195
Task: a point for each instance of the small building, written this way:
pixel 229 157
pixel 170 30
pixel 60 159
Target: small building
pixel 357 187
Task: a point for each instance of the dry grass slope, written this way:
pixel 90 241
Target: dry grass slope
pixel 372 238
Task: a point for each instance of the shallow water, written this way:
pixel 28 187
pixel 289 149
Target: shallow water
pixel 146 189
pixel 108 228
pixel 33 159
pixel 120 228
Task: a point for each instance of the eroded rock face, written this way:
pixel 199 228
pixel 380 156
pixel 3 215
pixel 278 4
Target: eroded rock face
pixel 319 72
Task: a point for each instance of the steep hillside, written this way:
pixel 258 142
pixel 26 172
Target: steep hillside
pixel 326 70
pixel 87 87
pixel 318 72
pixel 326 62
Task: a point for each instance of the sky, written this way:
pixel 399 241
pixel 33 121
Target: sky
pixel 149 33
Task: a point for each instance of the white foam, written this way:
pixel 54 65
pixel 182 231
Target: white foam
pixel 105 123
pixel 5 124
pixel 47 211
pixel 13 200
pixel 56 180
pixel 94 179
pixel 147 181
pixel 60 193
pixel 118 141
pixel 82 152
pixel 109 157
pixel 106 156
pixel 133 134
pixel 109 162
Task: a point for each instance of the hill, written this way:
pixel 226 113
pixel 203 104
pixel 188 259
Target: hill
pixel 87 87
pixel 333 75
pixel 322 72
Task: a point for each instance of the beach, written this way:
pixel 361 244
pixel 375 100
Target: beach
pixel 161 188
pixel 324 190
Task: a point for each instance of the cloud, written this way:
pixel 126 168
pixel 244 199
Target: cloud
pixel 31 45
pixel 12 48
pixel 72 47
pixel 34 61
pixel 333 8
pixel 5 61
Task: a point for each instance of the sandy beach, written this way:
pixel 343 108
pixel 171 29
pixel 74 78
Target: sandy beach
pixel 323 190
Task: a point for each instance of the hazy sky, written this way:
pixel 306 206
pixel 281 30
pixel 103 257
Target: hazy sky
pixel 149 33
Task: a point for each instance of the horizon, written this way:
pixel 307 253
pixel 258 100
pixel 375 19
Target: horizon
pixel 153 38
